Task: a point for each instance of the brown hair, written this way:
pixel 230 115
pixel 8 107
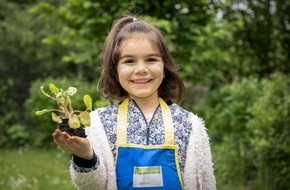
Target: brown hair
pixel 171 88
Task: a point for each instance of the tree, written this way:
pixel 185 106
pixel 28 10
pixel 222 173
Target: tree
pixel 250 131
pixel 261 34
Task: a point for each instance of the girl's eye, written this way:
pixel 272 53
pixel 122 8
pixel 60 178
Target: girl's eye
pixel 129 61
pixel 152 60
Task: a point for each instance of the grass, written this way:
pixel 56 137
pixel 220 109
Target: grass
pixel 29 169
pixel 36 169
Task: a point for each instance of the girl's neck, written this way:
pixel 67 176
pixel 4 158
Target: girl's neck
pixel 147 105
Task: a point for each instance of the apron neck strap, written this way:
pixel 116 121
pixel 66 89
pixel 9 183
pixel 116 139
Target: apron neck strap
pixel 122 122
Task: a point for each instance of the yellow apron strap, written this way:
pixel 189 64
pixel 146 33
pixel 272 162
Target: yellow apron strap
pixel 122 122
pixel 167 122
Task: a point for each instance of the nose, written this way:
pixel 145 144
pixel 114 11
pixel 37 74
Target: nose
pixel 141 67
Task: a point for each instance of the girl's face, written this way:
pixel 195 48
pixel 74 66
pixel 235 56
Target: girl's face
pixel 140 68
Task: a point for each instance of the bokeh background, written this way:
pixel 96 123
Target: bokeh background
pixel 233 55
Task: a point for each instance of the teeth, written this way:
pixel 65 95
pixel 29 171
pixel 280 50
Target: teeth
pixel 140 81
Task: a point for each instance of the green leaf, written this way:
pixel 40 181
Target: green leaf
pixel 71 91
pixel 58 95
pixel 55 118
pixel 88 102
pixel 68 100
pixel 85 119
pixel 44 93
pixel 74 122
pixel 53 89
pixel 42 112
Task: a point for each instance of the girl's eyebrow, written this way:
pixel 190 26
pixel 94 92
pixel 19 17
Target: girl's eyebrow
pixel 126 56
pixel 149 55
pixel 154 55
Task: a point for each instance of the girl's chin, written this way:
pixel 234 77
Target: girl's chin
pixel 143 95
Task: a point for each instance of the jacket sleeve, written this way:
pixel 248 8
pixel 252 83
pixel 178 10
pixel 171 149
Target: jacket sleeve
pixel 198 171
pixel 103 176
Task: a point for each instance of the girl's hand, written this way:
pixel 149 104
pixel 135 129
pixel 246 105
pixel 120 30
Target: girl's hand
pixel 76 145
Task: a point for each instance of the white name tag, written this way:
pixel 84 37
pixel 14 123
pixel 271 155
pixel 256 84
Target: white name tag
pixel 148 176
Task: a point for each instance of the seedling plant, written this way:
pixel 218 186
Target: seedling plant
pixel 70 120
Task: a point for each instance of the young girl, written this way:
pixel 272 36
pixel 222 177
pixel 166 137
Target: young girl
pixel 147 141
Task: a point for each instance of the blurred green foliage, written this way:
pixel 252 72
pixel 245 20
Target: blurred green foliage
pixel 234 57
pixel 250 128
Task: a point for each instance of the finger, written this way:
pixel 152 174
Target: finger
pixel 77 140
pixel 56 133
pixel 65 135
pixel 61 138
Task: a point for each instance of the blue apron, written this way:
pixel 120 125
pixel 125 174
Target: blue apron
pixel 147 167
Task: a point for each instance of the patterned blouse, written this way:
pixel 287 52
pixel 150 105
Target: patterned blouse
pixel 137 132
